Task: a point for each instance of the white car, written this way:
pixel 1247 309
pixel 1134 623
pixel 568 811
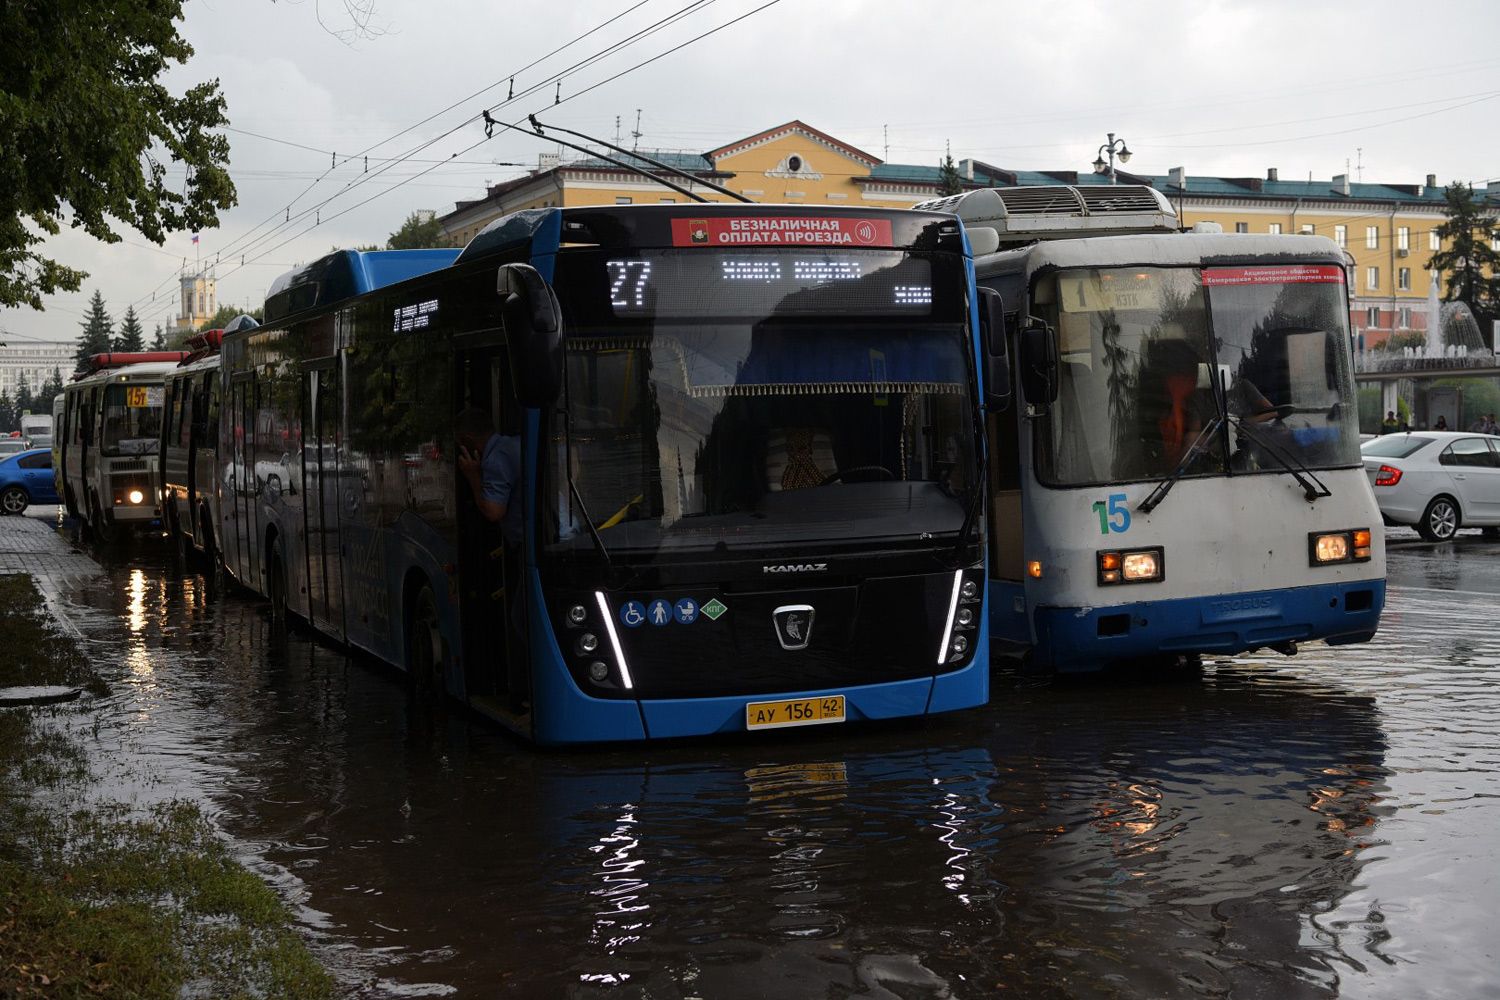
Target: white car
pixel 1436 481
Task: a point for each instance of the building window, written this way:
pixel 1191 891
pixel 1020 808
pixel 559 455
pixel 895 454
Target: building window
pixel 1372 278
pixel 1404 317
pixel 1403 279
pixel 1372 237
pixel 1242 227
pixel 1275 229
pixel 667 201
pixel 1403 238
pixel 1434 242
pixel 621 199
pixel 1341 235
pixel 1308 229
pixel 1372 318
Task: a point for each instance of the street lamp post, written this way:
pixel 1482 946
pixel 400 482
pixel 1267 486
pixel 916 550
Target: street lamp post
pixel 1114 147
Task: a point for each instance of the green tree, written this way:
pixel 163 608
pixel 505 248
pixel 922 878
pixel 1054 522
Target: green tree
pixel 89 128
pixel 1469 263
pixel 24 401
pixel 159 341
pixel 98 331
pixel 47 392
pixel 131 337
pixel 950 181
pixel 9 418
pixel 421 230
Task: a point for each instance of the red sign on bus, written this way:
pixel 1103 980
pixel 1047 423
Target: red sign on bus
pixel 1282 274
pixel 798 230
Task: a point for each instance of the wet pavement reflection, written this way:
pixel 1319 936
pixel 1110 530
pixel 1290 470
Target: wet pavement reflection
pixel 1312 827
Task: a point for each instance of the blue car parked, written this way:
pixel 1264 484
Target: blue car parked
pixel 25 479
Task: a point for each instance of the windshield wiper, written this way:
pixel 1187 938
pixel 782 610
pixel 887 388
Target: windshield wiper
pixel 1198 447
pixel 1312 486
pixel 971 516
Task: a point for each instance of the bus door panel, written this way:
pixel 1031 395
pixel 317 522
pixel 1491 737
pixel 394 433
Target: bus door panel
pixel 321 499
pixel 239 508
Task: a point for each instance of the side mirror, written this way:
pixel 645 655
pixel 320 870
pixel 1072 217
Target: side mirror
pixel 533 332
pixel 997 390
pixel 1038 358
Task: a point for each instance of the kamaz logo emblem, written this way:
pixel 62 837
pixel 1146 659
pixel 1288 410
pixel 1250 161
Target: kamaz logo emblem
pixel 795 568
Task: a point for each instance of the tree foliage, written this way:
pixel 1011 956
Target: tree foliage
pixel 950 181
pixel 132 337
pixel 420 231
pixel 89 131
pixel 98 331
pixel 1469 262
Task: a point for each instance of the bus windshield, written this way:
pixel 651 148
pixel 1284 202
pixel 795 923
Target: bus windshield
pixel 754 399
pixel 1213 371
pixel 132 420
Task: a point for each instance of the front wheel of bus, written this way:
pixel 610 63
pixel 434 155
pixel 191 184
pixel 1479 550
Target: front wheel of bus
pixel 99 523
pixel 424 644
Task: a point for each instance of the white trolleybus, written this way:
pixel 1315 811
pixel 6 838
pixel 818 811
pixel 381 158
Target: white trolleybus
pixel 1181 473
pixel 751 454
pixel 108 439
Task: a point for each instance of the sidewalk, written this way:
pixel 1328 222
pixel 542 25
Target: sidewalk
pixel 29 544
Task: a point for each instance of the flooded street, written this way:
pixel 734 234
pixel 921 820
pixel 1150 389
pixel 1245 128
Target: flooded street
pixel 1321 826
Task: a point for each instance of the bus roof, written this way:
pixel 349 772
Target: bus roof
pixel 145 371
pixel 1164 250
pixel 346 273
pixel 652 225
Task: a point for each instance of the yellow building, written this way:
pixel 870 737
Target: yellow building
pixel 199 304
pixel 1387 228
pixel 791 164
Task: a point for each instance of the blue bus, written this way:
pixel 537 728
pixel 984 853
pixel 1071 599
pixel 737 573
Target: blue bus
pixel 753 466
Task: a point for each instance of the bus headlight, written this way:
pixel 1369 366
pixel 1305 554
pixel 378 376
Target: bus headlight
pixel 135 496
pixel 1331 547
pixel 1132 566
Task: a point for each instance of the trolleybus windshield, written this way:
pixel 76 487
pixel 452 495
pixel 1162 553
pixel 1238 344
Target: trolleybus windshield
pixel 1151 356
pixel 733 399
pixel 132 419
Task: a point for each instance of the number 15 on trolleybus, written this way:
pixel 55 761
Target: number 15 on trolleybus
pixel 751 463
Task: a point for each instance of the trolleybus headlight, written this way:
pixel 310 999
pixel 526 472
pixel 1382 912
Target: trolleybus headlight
pixel 970 588
pixel 588 642
pixel 960 643
pixel 965 615
pixel 577 614
pixel 1351 545
pixel 598 671
pixel 1131 566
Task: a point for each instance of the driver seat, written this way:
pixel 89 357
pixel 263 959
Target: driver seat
pixel 798 457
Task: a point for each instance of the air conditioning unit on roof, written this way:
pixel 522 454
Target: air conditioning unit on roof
pixel 1061 211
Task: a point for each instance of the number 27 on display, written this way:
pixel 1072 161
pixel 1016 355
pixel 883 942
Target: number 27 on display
pixel 1113 514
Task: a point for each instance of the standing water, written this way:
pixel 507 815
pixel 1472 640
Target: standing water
pixel 1314 827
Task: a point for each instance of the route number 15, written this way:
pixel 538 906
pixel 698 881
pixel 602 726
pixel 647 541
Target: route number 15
pixel 1113 514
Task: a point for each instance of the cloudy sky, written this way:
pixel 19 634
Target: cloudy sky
pixel 1386 91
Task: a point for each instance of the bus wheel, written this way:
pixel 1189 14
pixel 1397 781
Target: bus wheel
pixel 276 585
pixel 424 644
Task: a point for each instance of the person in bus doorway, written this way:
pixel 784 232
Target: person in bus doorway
pixel 491 464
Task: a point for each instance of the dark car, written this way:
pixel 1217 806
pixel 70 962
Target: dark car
pixel 26 479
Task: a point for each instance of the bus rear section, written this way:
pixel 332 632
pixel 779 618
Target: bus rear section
pixel 1182 475
pixel 757 497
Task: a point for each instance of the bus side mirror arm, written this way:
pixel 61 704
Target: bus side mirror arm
pixel 1038 360
pixel 533 333
pixel 995 350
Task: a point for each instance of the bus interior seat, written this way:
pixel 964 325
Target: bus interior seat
pixel 797 457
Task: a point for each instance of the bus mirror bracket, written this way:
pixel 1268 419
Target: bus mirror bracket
pixel 997 388
pixel 533 333
pixel 1038 361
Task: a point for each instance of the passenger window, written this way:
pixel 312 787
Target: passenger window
pixel 41 461
pixel 1472 453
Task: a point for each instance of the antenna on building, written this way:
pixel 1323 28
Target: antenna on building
pixel 886 132
pixel 636 135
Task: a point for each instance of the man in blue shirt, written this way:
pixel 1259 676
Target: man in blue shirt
pixel 491 463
